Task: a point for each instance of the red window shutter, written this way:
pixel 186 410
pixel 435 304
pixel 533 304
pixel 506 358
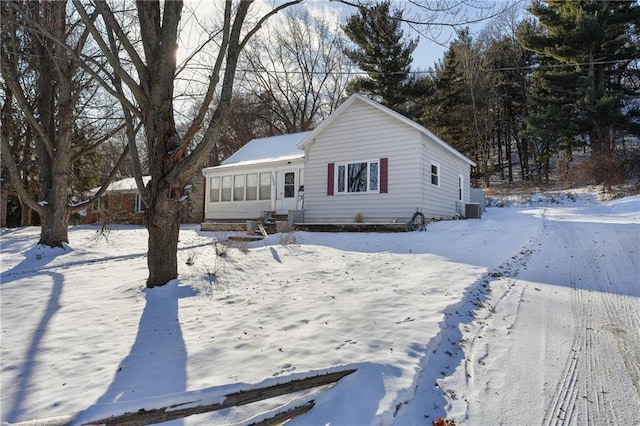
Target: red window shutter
pixel 330 177
pixel 384 173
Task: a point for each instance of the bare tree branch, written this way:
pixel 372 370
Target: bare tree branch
pixel 112 56
pixel 16 181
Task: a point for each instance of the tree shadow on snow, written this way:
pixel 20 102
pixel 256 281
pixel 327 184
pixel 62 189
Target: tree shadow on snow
pixel 35 260
pixel 26 372
pixel 156 365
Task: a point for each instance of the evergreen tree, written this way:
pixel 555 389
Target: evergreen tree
pixel 448 109
pixel 381 51
pixel 585 49
pixel 459 109
pixel 505 56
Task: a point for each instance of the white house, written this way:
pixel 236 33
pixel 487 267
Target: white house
pixel 264 175
pixel 364 163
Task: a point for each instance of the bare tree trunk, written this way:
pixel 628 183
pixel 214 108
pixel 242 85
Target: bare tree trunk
pixel 163 224
pixel 162 217
pixel 54 230
pixel 55 214
pixel 4 193
pixel 54 217
pixel 25 214
pixel 509 154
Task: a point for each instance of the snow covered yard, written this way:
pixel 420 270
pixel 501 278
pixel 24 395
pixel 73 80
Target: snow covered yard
pixel 530 315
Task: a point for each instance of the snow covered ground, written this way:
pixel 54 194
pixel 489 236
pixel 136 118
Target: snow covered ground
pixel 530 315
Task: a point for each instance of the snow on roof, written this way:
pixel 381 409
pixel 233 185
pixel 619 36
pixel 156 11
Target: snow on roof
pixel 123 185
pixel 273 148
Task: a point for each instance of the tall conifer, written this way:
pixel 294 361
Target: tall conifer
pixel 585 49
pixel 382 52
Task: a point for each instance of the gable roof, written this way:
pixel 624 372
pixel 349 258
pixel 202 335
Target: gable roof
pixel 123 185
pixel 309 139
pixel 263 150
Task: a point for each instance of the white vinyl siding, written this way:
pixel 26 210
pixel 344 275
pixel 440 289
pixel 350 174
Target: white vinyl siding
pixel 360 133
pixel 443 200
pixel 363 132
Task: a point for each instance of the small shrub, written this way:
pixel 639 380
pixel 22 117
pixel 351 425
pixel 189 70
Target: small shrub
pixel 191 253
pixel 212 274
pixel 359 218
pixel 221 249
pixel 602 169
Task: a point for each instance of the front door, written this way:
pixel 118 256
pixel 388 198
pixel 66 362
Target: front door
pixel 289 192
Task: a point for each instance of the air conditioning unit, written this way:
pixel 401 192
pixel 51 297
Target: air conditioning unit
pixel 473 211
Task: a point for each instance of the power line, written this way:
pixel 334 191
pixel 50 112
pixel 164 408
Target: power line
pixel 430 70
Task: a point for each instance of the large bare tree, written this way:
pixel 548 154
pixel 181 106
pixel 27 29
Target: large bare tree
pixel 46 90
pixel 147 90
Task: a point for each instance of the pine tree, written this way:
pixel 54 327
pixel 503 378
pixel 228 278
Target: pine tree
pixel 459 109
pixel 382 52
pixel 507 58
pixel 585 49
pixel 448 109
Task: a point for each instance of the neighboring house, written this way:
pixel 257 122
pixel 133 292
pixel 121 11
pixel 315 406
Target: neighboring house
pixel 121 203
pixel 364 163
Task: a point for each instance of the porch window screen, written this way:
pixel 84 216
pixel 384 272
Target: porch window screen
pixel 252 187
pixel 214 189
pixel 238 188
pixel 265 186
pixel 226 188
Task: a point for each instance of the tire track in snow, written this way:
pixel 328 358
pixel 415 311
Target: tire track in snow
pixel 465 324
pixel 604 350
pixel 562 335
pixel 563 404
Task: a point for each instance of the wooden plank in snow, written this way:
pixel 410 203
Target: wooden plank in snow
pixel 262 230
pixel 173 412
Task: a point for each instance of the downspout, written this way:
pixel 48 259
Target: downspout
pixel 206 193
pixel 274 188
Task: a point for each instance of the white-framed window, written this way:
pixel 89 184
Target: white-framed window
pixel 265 186
pixel 460 187
pixel 100 204
pixel 238 188
pixel 252 187
pixel 435 174
pixel 138 204
pixel 214 189
pixel 358 177
pixel 227 186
